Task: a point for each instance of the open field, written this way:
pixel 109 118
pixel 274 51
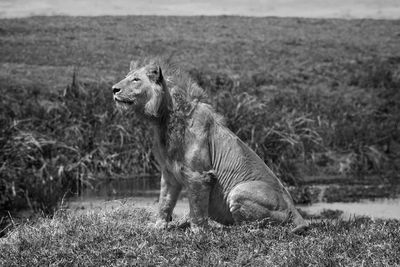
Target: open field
pixel 388 9
pixel 121 237
pixel 313 97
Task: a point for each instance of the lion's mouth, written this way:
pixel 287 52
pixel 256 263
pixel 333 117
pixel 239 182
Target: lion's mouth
pixel 123 101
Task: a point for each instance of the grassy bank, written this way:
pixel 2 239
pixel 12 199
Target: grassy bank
pixel 311 97
pixel 121 238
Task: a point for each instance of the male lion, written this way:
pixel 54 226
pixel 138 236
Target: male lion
pixel 224 178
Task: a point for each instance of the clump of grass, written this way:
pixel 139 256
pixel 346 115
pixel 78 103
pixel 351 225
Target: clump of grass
pixel 56 143
pixel 355 125
pixel 280 136
pixel 122 237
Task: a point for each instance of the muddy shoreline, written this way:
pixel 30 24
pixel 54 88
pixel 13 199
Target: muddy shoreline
pixel 329 189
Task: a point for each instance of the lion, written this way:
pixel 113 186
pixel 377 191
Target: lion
pixel 226 180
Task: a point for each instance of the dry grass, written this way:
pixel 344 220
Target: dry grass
pixel 121 237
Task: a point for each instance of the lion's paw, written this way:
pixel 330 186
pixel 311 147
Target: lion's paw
pixel 159 224
pixel 199 228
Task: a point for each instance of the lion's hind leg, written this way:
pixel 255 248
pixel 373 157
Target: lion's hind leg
pixel 251 201
pixel 257 200
pixel 301 224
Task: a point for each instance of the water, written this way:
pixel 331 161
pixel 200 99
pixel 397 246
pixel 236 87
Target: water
pixel 383 208
pixel 377 9
pixel 142 192
pixel 149 203
pixel 144 185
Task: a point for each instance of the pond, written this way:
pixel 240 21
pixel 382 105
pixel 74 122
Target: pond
pixel 380 208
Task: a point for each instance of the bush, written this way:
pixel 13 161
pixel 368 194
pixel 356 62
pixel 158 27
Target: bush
pixel 55 143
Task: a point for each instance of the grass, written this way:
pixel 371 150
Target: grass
pixel 313 97
pixel 121 237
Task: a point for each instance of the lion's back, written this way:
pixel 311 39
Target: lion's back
pixel 234 162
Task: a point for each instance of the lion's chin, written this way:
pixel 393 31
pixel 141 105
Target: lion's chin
pixel 122 105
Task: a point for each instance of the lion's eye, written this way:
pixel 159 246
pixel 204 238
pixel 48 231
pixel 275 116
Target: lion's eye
pixel 135 79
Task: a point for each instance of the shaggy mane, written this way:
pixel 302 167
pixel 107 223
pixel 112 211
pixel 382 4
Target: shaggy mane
pixel 186 96
pixel 186 93
pixel 179 83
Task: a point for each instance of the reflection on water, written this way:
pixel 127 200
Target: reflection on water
pixel 142 192
pixel 150 203
pixel 378 208
pixel 119 188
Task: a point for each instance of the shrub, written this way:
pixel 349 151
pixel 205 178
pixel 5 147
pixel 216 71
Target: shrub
pixel 55 143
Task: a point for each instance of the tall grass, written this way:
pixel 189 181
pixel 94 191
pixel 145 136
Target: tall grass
pixel 354 124
pixel 54 143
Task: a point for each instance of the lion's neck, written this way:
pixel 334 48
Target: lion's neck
pixel 170 129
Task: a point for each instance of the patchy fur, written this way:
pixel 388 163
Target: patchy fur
pixel 225 179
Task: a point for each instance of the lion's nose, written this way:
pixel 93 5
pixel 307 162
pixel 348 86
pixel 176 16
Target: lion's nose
pixel 116 89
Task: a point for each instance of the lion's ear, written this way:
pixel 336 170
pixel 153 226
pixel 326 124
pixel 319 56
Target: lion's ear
pixel 154 73
pixel 133 65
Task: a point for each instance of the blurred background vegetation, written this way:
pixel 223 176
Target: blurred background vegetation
pixel 314 98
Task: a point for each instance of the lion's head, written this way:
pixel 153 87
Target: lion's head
pixel 142 90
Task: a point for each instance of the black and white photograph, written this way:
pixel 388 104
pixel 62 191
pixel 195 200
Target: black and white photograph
pixel 199 133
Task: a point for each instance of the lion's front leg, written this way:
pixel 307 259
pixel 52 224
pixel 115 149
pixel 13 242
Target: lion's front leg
pixel 199 188
pixel 169 193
